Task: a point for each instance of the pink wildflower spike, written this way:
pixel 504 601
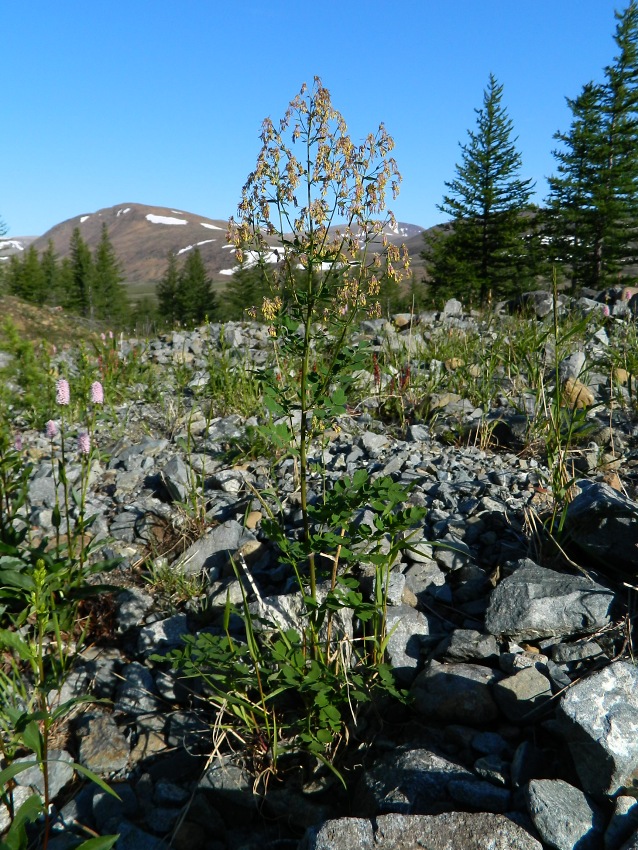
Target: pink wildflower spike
pixel 84 443
pixel 110 334
pixel 605 310
pixel 62 391
pixel 17 442
pixel 51 429
pixel 97 393
pixel 103 336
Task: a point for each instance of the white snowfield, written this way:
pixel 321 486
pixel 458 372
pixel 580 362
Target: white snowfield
pixel 190 247
pixel 84 218
pixel 11 243
pixel 124 211
pixel 165 219
pixel 210 226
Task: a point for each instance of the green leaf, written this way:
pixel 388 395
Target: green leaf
pixel 94 778
pixel 102 842
pixel 14 769
pixel 13 641
pixel 29 811
pixel 32 738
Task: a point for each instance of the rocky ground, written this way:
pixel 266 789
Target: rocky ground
pixel 523 729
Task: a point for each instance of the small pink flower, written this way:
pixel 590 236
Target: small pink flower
pixel 51 429
pixel 103 336
pixel 84 443
pixel 17 442
pixel 62 392
pixel 110 334
pixel 605 310
pixel 97 393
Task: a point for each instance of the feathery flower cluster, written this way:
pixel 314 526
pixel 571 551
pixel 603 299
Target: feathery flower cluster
pixel 62 392
pixel 97 393
pixel 51 429
pixel 84 443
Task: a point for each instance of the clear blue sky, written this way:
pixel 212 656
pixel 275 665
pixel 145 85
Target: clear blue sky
pixel 161 102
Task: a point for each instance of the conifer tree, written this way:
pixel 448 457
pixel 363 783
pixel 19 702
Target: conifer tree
pixel 77 296
pixel 195 299
pixel 167 292
pixel 25 277
pixel 51 273
pixel 109 299
pixel 592 220
pixel 482 253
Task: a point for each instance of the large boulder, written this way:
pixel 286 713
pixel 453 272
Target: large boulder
pixel 534 602
pixel 599 718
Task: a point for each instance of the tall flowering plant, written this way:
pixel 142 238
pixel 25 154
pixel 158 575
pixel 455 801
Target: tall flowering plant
pixel 316 203
pixel 311 218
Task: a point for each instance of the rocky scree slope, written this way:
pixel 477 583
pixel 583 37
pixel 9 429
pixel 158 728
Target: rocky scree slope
pixel 523 730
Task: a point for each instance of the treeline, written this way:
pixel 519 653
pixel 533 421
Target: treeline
pixel 497 244
pixel 87 283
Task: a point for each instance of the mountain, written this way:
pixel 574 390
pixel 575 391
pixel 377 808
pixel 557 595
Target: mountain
pixel 142 237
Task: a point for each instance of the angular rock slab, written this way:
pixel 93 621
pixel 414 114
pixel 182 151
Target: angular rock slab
pixel 603 524
pixel 599 718
pixel 535 602
pixel 456 693
pixel 449 831
pixel 408 781
pixel 564 817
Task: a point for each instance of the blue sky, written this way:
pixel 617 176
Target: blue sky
pixel 159 102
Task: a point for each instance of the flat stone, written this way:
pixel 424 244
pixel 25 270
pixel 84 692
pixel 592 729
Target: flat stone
pixel 447 831
pixel 103 748
pixel 523 696
pixel 456 693
pixel 564 817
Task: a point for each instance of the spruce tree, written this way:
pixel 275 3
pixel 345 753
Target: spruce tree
pixel 77 296
pixel 109 299
pixel 592 217
pixel 51 274
pixel 167 292
pixel 195 299
pixel 483 251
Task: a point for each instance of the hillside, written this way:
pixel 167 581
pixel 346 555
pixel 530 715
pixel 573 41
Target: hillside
pixel 143 236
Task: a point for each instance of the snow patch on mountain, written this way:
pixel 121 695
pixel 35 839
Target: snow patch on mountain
pixel 210 226
pixel 165 219
pixel 83 218
pixel 124 211
pixel 11 243
pixel 190 247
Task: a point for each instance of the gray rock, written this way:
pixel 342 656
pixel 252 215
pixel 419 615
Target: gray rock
pixel 603 524
pixel 162 635
pixel 447 831
pixel 535 602
pixel 599 718
pixel 523 697
pixel 132 604
pixel 480 795
pixel 631 843
pixel 452 307
pixel 623 822
pixel 103 748
pixel 469 645
pixel 134 838
pixel 456 693
pixel 212 552
pixel 406 627
pixel 59 773
pixel 136 692
pixel 564 817
pixel 411 781
pixel 178 479
pixel 572 366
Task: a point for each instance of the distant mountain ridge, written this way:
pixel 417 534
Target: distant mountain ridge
pixel 143 236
